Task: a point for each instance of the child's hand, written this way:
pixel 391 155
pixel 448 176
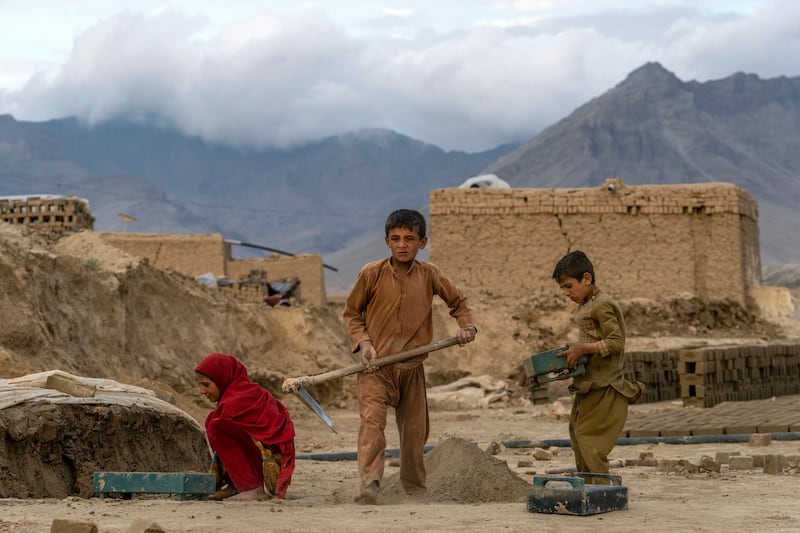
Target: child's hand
pixel 466 335
pixel 573 353
pixel 367 352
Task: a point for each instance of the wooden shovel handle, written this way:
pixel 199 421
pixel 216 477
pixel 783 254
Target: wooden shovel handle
pixel 292 384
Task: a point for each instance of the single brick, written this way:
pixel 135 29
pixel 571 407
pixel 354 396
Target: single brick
pixel 708 464
pixel 744 462
pixel 760 439
pixel 773 464
pixel 541 454
pixel 69 525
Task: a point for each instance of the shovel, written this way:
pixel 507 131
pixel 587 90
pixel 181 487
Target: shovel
pixel 298 385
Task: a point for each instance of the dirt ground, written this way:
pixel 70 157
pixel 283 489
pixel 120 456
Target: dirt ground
pixel 319 497
pixel 85 308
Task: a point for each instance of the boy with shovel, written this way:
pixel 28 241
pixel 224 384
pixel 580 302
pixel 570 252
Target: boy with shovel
pixel 388 311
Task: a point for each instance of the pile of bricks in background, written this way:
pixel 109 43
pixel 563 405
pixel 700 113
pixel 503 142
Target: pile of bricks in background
pixel 774 415
pixel 541 394
pixel 658 371
pixel 709 376
pixel 704 377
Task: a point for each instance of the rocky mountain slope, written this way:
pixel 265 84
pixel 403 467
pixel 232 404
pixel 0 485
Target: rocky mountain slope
pixel 315 198
pixel 654 128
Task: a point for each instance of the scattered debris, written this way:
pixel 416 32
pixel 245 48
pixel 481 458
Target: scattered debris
pixel 469 392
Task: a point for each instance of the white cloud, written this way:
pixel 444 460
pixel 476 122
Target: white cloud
pixel 283 77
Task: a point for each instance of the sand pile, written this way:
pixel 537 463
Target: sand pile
pixel 460 472
pixel 90 248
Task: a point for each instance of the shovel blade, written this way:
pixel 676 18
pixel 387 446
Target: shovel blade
pixel 312 403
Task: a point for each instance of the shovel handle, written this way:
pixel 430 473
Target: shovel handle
pixel 293 384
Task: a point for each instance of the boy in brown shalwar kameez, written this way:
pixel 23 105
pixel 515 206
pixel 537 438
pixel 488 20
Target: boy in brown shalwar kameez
pixel 602 395
pixel 389 311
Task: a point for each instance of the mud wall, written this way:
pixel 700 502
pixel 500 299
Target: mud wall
pixel 653 241
pixel 197 254
pixel 192 255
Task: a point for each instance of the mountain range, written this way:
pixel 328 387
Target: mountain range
pixel 656 129
pixel 332 196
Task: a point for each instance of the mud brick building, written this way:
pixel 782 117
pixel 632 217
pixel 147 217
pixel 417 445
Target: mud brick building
pixel 650 241
pixel 201 253
pixel 60 213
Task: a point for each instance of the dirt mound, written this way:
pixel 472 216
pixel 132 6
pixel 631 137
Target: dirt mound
pixel 52 450
pixel 88 308
pixel 460 472
pixel 693 316
pixel 89 248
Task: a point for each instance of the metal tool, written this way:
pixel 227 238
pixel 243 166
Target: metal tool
pixel 575 495
pixel 317 408
pixel 551 366
pixel 298 385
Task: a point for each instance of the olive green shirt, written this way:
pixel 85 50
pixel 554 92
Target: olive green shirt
pixel 600 320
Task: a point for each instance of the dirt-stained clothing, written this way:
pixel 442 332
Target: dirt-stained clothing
pixel 602 395
pixel 393 310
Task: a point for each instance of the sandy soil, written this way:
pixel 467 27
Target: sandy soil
pixel 319 498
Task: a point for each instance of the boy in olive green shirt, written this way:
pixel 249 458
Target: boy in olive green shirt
pixel 602 395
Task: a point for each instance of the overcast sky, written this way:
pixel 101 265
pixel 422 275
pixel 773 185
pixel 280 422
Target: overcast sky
pixel 461 74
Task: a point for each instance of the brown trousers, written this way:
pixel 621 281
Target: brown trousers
pixel 404 389
pixel 595 423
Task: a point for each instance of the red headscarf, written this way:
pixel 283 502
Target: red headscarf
pixel 246 403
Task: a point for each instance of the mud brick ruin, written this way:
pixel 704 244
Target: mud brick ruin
pixel 57 213
pixel 198 254
pixel 650 241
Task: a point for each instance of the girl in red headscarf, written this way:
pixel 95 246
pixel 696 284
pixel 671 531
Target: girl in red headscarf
pixel 250 432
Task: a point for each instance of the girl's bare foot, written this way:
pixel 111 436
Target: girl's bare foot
pixel 251 495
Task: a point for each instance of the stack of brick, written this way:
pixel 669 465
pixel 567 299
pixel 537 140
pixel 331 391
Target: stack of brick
pixel 657 370
pixel 47 212
pixel 709 376
pixel 771 415
pixel 253 287
pixel 540 394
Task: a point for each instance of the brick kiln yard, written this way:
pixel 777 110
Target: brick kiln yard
pixel 664 495
pixel 122 319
